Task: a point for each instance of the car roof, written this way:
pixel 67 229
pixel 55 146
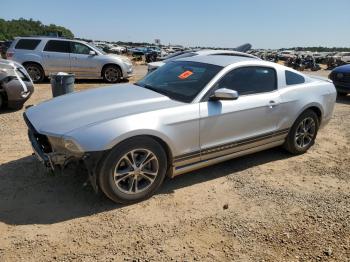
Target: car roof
pixel 48 38
pixel 220 60
pixel 223 52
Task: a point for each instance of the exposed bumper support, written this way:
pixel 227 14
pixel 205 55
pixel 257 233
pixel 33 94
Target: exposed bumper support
pixel 42 157
pixel 51 159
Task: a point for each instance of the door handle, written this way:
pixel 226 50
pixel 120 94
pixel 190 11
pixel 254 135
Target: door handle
pixel 272 104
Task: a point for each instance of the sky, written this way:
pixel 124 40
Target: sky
pixel 220 23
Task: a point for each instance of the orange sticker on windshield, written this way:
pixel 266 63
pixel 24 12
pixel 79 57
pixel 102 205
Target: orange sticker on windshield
pixel 185 74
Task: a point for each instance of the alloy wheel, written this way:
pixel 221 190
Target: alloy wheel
pixel 305 132
pixel 136 171
pixel 112 74
pixel 34 73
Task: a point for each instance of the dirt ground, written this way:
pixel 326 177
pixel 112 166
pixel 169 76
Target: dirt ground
pixel 268 206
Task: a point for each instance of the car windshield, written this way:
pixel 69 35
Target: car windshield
pixel 180 80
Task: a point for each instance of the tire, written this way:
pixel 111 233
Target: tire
pixel 35 72
pixel 1 101
pixel 111 74
pixel 126 181
pixel 303 133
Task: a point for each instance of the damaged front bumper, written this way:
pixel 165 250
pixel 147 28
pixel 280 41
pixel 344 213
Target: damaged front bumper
pixel 52 159
pixel 38 151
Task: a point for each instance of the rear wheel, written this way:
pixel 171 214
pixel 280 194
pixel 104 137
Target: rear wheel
pixel 303 133
pixel 133 170
pixel 35 72
pixel 111 74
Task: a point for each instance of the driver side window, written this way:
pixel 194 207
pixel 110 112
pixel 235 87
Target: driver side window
pixel 250 80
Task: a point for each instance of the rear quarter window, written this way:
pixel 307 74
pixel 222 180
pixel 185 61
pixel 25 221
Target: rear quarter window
pixel 27 44
pixel 293 78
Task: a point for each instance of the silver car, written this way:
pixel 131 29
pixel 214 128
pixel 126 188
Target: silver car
pixel 42 56
pixel 188 114
pixel 16 87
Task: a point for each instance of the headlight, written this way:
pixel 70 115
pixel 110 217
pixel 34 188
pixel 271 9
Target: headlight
pixel 340 75
pixel 72 146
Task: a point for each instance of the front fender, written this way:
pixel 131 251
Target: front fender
pixel 106 135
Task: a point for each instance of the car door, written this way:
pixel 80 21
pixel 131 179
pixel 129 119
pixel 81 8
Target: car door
pixel 229 126
pixel 56 56
pixel 83 63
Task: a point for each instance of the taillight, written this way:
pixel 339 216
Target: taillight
pixel 9 55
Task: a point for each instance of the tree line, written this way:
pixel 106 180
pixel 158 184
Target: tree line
pixel 320 49
pixel 23 27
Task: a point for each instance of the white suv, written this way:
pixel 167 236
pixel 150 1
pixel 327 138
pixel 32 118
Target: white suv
pixel 42 56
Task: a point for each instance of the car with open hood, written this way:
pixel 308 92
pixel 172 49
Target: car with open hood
pixel 188 114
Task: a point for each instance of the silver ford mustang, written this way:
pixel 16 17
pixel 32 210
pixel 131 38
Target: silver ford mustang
pixel 188 114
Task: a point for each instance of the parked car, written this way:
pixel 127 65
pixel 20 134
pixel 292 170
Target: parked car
pixel 341 79
pixel 342 56
pixel 190 113
pixel 117 49
pixel 42 56
pixel 285 55
pixel 182 54
pixel 15 85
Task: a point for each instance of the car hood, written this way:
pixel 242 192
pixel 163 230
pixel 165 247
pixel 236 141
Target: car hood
pixel 342 69
pixel 9 64
pixel 66 113
pixel 115 57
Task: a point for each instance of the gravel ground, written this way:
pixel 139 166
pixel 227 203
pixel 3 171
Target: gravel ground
pixel 268 206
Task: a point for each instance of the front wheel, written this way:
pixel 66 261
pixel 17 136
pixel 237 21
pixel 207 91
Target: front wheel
pixel 303 133
pixel 111 74
pixel 133 170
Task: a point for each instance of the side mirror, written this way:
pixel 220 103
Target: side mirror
pixel 92 53
pixel 224 94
